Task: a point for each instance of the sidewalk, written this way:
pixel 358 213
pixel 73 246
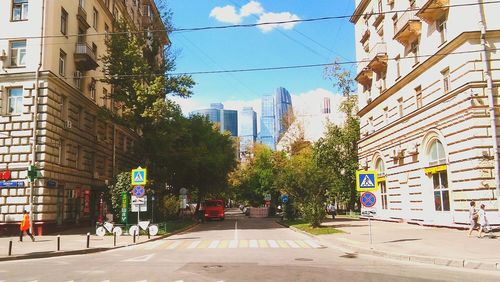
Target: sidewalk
pixel 72 242
pixel 402 241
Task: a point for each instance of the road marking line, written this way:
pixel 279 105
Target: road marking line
pixel 167 244
pixel 214 244
pixel 236 230
pixel 154 245
pixel 184 245
pixel 140 258
pixel 292 244
pixel 243 244
pixel 283 244
pixel 204 244
pixel 263 244
pixel 312 244
pixel 233 244
pixel 174 245
pixel 273 244
pixel 223 244
pixel 302 244
pixel 194 245
pixel 253 244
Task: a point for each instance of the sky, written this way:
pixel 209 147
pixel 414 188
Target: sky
pixel 288 44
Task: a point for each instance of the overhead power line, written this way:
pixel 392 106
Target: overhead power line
pixel 247 25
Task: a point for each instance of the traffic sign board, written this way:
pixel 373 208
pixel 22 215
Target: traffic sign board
pixel 139 176
pixel 366 180
pixel 284 199
pixel 138 191
pixel 368 199
pixel 267 197
pixel 139 204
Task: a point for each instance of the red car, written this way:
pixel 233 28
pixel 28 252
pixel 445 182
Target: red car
pixel 214 209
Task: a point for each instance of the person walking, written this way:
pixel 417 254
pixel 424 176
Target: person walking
pixel 25 226
pixel 473 217
pixel 483 222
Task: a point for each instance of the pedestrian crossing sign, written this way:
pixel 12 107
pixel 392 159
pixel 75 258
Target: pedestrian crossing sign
pixel 366 180
pixel 139 176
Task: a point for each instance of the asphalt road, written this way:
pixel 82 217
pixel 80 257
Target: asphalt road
pixel 237 249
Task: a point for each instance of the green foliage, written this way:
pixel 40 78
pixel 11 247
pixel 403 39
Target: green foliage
pixel 120 184
pixel 304 226
pixel 170 207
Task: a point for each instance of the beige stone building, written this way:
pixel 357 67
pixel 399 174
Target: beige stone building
pixel 426 83
pixel 54 47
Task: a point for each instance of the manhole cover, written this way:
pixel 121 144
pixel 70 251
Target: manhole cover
pixel 304 259
pixel 216 266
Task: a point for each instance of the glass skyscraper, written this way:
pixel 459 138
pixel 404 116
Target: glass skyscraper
pixel 275 109
pixel 227 119
pixel 248 129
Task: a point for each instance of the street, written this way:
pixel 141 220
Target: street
pixel 237 249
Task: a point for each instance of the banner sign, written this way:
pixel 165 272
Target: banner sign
pixel 124 213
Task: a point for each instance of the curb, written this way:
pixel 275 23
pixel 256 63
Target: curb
pixel 458 263
pixel 50 254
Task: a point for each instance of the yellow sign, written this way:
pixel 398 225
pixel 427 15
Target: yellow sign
pixel 366 180
pixel 434 169
pixel 139 176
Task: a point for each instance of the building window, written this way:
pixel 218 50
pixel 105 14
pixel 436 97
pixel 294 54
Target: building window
pixel 93 89
pixel 64 108
pixel 18 53
pixel 15 101
pixel 398 66
pixel 19 10
pixel 79 117
pixel 94 49
pixel 400 107
pixel 78 156
pixel 442 29
pixel 418 96
pixel 441 191
pixel 64 21
pixel 62 63
pixel 61 156
pixel 386 115
pixel 446 80
pixel 81 3
pixel 95 16
pixel 380 168
pixel 106 31
pixel 414 50
pixel 106 3
pixel 436 153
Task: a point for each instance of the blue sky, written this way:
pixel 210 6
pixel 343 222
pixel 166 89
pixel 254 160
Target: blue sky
pixel 241 48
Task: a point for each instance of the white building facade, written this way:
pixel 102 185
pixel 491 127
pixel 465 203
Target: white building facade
pixel 425 86
pixel 52 49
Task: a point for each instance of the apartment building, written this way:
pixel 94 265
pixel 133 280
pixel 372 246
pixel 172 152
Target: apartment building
pixel 429 72
pixel 50 56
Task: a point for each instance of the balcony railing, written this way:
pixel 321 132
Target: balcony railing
pixel 407 25
pixel 364 73
pixel 432 10
pixel 82 17
pixel 85 57
pixel 378 57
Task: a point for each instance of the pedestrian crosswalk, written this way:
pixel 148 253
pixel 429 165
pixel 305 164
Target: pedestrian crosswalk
pixel 226 244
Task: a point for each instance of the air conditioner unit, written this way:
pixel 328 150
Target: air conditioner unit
pixel 412 148
pixel 68 124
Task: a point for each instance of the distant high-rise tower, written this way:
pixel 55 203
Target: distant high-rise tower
pixel 227 119
pixel 325 109
pixel 283 112
pixel 248 129
pixel 268 122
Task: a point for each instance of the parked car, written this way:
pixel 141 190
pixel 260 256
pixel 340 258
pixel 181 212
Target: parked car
pixel 214 209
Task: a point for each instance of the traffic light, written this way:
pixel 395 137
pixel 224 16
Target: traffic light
pixel 32 173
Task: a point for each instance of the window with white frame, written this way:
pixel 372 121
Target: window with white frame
pixel 418 96
pixel 15 100
pixel 62 63
pixel 17 53
pixel 19 10
pixel 380 168
pixel 436 153
pixel 95 17
pixel 442 29
pixel 437 156
pixel 64 21
pixel 414 50
pixel 446 80
pixel 93 88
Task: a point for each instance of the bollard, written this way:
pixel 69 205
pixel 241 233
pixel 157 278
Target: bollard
pixel 114 239
pixel 88 240
pixel 10 247
pixel 149 236
pixel 134 235
pixel 58 242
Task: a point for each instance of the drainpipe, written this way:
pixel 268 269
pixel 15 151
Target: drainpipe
pixel 491 100
pixel 35 115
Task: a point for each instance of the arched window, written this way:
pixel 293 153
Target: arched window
pixel 437 156
pixel 380 167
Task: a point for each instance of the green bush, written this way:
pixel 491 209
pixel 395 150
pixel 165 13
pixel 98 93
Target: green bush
pixel 170 207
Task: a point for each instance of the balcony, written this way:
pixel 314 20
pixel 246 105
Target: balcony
pixel 432 10
pixel 407 27
pixel 378 58
pixel 365 74
pixel 81 15
pixel 85 58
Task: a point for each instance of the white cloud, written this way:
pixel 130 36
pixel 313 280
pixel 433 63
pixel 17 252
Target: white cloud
pixel 229 14
pixel 252 8
pixel 277 17
pixel 226 14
